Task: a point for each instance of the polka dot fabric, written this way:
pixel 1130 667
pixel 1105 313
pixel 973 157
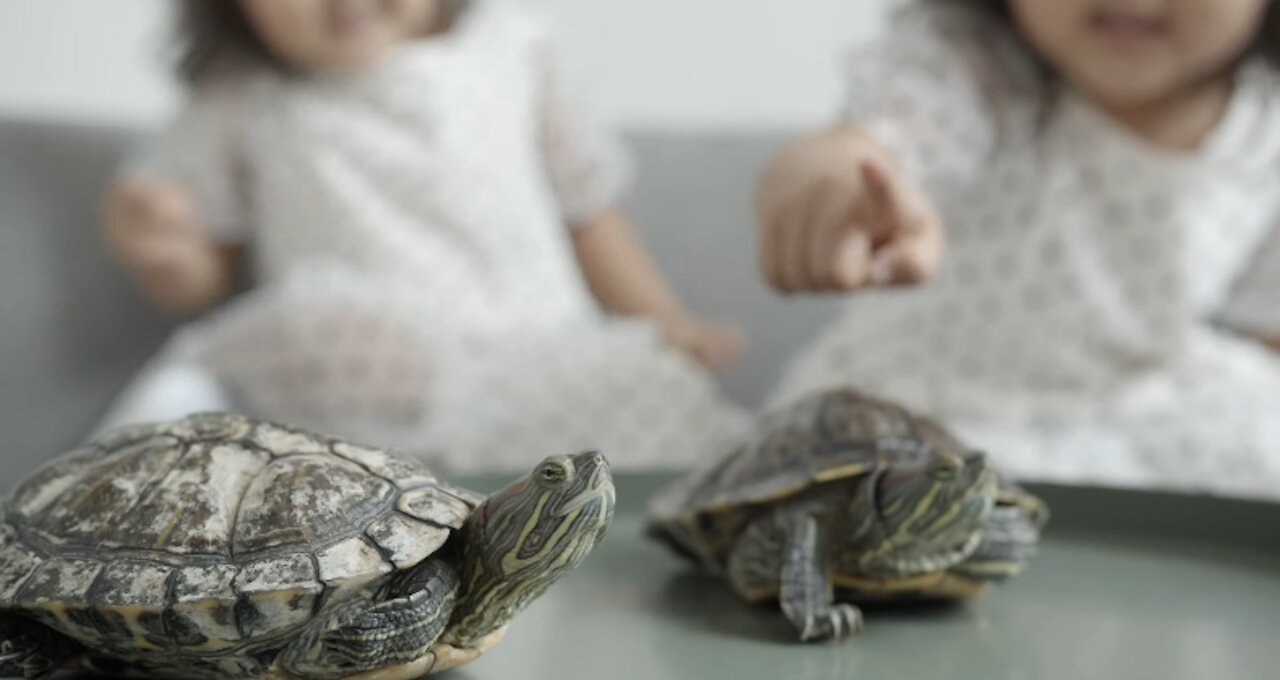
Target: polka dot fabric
pixel 1073 330
pixel 416 286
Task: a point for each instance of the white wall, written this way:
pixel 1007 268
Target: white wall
pixel 83 59
pixel 739 63
pixel 654 64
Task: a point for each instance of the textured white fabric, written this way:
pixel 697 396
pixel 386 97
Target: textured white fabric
pixel 165 389
pixel 416 285
pixel 1070 330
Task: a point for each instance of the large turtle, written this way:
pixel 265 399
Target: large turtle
pixel 220 547
pixel 842 493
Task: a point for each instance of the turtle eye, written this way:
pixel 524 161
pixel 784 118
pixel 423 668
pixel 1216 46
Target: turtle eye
pixel 945 468
pixel 554 471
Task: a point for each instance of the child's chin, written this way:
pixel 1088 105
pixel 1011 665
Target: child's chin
pixel 359 55
pixel 1128 87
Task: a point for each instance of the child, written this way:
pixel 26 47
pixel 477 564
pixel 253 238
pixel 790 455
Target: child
pixel 1106 178
pixel 429 228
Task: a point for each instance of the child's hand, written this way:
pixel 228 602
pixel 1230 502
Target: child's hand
pixel 714 345
pixel 151 229
pixel 836 214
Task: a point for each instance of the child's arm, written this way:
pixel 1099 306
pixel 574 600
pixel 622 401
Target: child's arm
pixel 626 281
pixel 588 170
pixel 836 213
pixel 174 215
pixel 151 230
pixel 924 108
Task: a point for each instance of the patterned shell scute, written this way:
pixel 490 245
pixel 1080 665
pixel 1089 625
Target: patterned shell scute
pixel 59 580
pixel 301 500
pixel 203 615
pixel 130 598
pixel 218 427
pixel 121 438
pixel 57 592
pixel 97 496
pixel 192 510
pixel 276 595
pixel 406 541
pixel 826 437
pixel 467 496
pixel 350 565
pixel 432 504
pixel 282 441
pixel 48 485
pixel 16 565
pixel 404 472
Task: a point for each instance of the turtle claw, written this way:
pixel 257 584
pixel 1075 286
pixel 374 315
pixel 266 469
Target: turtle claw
pixel 847 620
pixel 25 664
pixel 35 652
pixel 837 623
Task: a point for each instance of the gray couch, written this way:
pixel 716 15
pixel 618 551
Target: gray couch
pixel 72 331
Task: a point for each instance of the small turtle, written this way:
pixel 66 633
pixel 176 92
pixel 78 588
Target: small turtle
pixel 221 547
pixel 846 494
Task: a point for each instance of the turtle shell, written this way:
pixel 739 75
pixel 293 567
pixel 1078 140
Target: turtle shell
pixel 213 535
pixel 828 437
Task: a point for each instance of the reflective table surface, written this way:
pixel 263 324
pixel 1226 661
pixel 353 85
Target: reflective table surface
pixel 1127 585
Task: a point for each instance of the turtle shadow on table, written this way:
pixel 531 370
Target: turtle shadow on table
pixel 705 602
pixel 451 674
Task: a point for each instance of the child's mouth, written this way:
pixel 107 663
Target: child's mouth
pixel 351 18
pixel 1128 30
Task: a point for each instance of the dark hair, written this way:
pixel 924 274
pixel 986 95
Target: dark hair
pixel 216 38
pixel 1265 45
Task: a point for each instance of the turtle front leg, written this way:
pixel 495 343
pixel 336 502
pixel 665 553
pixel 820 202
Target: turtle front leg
pixel 806 592
pixel 386 634
pixel 782 553
pixel 30 650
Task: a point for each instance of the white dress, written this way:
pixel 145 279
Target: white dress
pixel 1089 323
pixel 415 282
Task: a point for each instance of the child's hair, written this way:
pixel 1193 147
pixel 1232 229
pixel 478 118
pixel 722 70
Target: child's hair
pixel 1265 45
pixel 215 38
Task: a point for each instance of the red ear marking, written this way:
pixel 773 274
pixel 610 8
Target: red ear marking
pixel 501 497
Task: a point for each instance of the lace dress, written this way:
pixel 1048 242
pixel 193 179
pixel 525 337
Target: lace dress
pixel 1090 321
pixel 415 281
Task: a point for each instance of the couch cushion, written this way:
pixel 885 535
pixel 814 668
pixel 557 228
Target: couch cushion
pixel 694 206
pixel 71 329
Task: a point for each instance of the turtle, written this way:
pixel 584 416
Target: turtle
pixel 843 498
pixel 219 546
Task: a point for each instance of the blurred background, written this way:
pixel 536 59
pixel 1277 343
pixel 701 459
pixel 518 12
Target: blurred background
pixel 660 65
pixel 704 91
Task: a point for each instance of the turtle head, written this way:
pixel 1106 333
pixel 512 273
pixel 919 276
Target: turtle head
pixel 927 517
pixel 1009 537
pixel 524 537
